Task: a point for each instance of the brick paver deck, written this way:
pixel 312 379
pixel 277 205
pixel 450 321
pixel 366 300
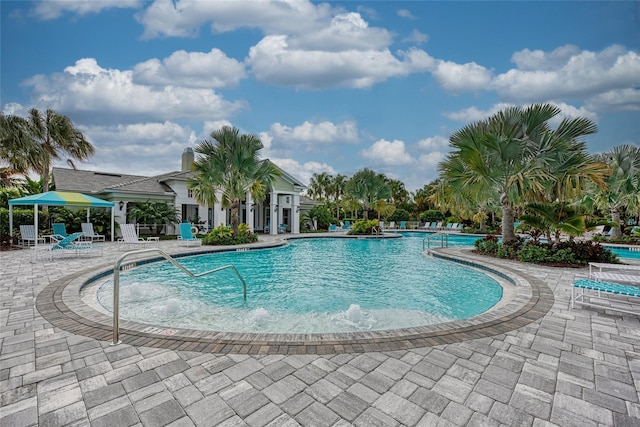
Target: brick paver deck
pixel 535 363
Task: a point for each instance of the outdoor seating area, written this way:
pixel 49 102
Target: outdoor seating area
pixel 186 237
pixel 605 285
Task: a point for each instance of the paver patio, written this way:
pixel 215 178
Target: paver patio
pixel 566 367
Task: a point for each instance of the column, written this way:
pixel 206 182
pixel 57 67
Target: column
pixel 250 211
pixel 295 214
pixel 274 213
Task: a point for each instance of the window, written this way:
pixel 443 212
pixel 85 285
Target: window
pixel 189 193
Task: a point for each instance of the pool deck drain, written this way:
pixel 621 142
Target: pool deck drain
pixel 60 304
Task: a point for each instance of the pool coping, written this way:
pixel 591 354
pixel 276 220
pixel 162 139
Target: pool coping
pixel 60 304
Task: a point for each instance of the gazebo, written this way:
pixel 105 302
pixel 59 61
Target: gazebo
pixel 59 198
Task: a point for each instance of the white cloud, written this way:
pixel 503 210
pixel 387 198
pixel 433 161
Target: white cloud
pixel 404 13
pixel 97 95
pixel 433 143
pixel 157 146
pixel 461 77
pixel 183 18
pixel 211 126
pixel 388 153
pixel 302 171
pixel 473 114
pixel 316 133
pixel 566 73
pixel 191 69
pixel 616 100
pixel 52 9
pixel 416 37
pixel 274 61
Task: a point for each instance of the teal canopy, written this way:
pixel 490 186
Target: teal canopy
pixel 59 198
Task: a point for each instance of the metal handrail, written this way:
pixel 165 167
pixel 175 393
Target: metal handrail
pixel 444 240
pixel 116 283
pixel 377 230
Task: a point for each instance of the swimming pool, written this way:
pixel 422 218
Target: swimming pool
pixel 624 252
pixel 309 286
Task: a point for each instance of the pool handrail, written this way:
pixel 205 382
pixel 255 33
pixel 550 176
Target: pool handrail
pixel 444 240
pixel 116 283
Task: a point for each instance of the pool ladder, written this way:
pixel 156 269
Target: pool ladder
pixel 444 240
pixel 116 282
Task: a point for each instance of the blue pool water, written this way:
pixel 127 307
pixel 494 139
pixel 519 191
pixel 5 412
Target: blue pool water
pixel 312 285
pixel 624 252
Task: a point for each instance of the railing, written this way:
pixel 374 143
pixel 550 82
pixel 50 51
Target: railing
pixel 444 240
pixel 116 283
pixel 377 231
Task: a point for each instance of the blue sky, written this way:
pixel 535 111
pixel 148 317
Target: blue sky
pixel 328 87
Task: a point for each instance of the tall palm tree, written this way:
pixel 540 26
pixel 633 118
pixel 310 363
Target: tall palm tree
pixel 55 136
pixel 17 146
pixel 623 190
pixel 516 155
pixel 337 187
pixel 368 187
pixel 230 166
pixel 319 186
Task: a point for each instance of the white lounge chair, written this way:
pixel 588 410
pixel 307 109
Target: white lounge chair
pixel 130 236
pixel 89 234
pixel 28 236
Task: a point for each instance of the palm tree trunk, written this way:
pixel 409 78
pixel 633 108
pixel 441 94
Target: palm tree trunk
pixel 235 215
pixel 616 230
pixel 508 232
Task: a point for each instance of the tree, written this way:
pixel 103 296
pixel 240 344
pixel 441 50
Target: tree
pixel 336 189
pixel 156 213
pixel 517 156
pixel 40 139
pixel 368 187
pixel 319 186
pixel 230 166
pixel 623 189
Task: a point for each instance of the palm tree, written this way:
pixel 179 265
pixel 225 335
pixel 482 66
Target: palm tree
pixel 623 190
pixel 319 186
pixel 368 187
pixel 516 155
pixel 17 147
pixel 230 167
pixel 41 139
pixel 337 187
pixel 156 213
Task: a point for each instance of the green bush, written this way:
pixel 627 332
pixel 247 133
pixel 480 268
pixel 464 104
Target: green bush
pixel 431 215
pixel 532 253
pixel 223 235
pixel 363 227
pixel 487 245
pixel 22 217
pixel 400 215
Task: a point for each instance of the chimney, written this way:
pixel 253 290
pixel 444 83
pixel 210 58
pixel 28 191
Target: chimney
pixel 187 159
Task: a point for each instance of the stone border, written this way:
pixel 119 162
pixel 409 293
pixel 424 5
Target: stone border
pixel 60 304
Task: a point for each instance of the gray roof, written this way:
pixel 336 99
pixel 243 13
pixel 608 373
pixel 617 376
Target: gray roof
pixel 92 182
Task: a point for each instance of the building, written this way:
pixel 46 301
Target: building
pixel 282 206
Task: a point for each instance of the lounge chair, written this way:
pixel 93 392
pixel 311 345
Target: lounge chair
pixel 608 293
pixel 346 226
pixel 333 228
pixel 59 229
pixel 267 228
pixel 438 226
pixel 69 244
pixel 282 229
pixel 403 225
pixel 89 234
pixel 130 236
pixel 186 237
pixel 28 236
pixel 392 225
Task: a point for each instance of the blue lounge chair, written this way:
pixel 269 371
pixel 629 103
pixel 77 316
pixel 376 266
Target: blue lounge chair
pixel 186 237
pixel 403 225
pixel 332 228
pixel 59 229
pixel 70 244
pixel 346 226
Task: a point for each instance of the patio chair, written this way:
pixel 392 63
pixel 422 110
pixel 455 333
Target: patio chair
pixel 186 237
pixel 28 236
pixel 69 244
pixel 346 226
pixel 267 228
pixel 130 236
pixel 403 225
pixel 59 229
pixel 89 234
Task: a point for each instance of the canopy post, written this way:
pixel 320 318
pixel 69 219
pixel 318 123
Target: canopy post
pixel 35 223
pixel 11 222
pixel 112 221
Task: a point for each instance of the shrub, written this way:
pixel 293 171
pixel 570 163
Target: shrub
pixel 487 245
pixel 223 235
pixel 532 253
pixel 363 227
pixel 431 215
pixel 400 215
